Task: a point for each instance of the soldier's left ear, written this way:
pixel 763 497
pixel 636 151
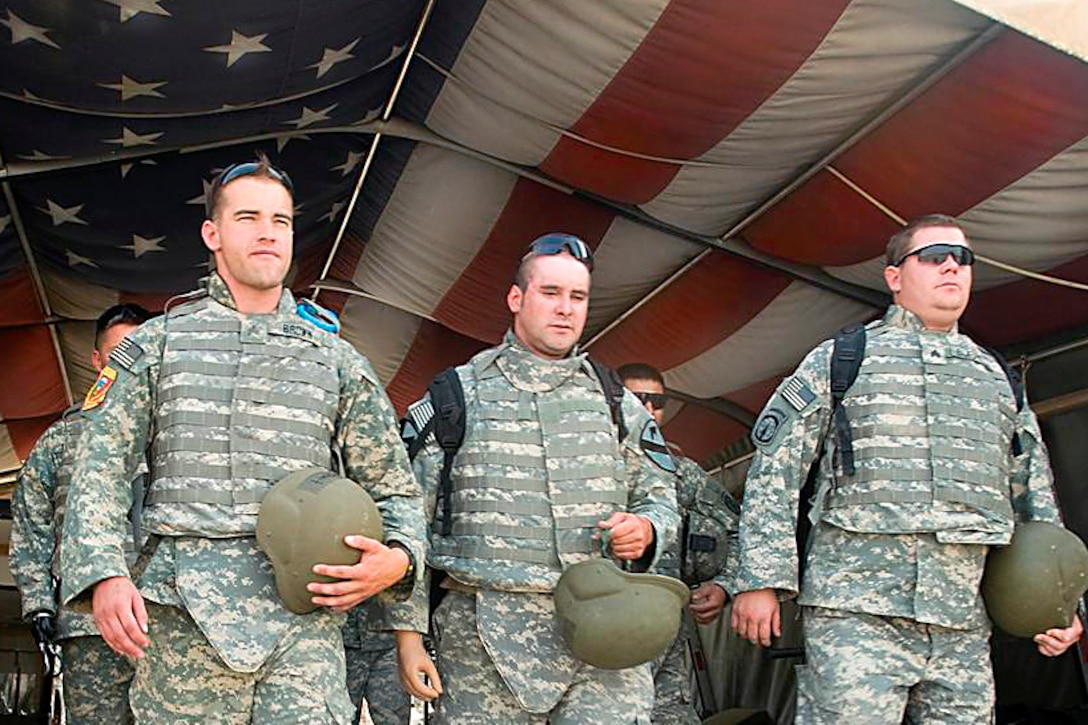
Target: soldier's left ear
pixel 893 278
pixel 513 299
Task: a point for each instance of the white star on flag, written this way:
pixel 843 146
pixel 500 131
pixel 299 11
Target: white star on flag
pixel 41 156
pixel 4 221
pixel 127 166
pixel 334 211
pixel 309 118
pixel 131 8
pixel 74 259
pixel 62 215
pixel 332 57
pixel 349 165
pixel 142 245
pixel 130 138
pixel 22 30
pixel 129 88
pixel 200 200
pixel 239 46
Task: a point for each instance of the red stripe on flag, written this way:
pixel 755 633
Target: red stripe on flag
pixel 434 349
pixel 476 303
pixel 704 67
pixel 24 433
pixel 32 382
pixel 19 299
pixel 1009 108
pixel 706 305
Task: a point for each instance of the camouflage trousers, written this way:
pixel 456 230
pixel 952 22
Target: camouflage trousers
pixel 373 676
pixel 672 683
pixel 475 694
pixel 96 681
pixel 864 668
pixel 181 679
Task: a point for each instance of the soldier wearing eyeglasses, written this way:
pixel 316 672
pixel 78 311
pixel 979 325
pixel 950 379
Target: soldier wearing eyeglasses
pixel 542 473
pixel 232 391
pixel 943 464
pixel 703 556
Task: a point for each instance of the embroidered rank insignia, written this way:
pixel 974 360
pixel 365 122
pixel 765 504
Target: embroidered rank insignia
pixel 97 394
pixel 653 445
pixel 126 354
pixel 797 394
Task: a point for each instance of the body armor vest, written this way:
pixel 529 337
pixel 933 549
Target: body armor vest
pixel 241 401
pixel 932 420
pixel 537 470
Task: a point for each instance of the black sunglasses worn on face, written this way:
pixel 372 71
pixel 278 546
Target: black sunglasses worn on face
pixel 559 243
pixel 654 400
pixel 236 171
pixel 935 254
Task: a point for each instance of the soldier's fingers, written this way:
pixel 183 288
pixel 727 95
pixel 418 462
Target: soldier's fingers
pixel 765 633
pixel 139 610
pixel 776 622
pixel 119 640
pixel 338 572
pixel 133 630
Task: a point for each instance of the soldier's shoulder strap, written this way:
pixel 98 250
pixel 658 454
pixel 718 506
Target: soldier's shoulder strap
pixel 1017 385
pixel 846 357
pixel 613 393
pixel 441 413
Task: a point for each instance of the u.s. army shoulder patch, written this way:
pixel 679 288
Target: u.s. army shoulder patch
pixel 126 354
pixel 652 442
pixel 97 394
pixel 767 429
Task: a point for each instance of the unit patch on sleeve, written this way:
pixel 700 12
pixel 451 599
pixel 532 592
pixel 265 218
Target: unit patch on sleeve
pixel 97 394
pixel 653 445
pixel 767 428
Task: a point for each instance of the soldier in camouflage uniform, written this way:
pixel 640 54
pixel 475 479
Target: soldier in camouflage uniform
pixel 540 475
pixel 718 519
pixel 232 391
pixel 893 619
pixel 371 653
pixel 95 679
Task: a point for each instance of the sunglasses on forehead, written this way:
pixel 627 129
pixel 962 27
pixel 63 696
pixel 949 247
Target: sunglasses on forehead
pixel 654 400
pixel 236 171
pixel 935 254
pixel 559 243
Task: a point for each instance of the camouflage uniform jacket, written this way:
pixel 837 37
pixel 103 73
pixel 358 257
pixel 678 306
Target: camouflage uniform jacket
pixel 520 386
pixel 200 538
pixel 693 481
pixel 38 506
pixel 914 559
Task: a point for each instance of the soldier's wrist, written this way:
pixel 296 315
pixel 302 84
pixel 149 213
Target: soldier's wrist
pixel 410 567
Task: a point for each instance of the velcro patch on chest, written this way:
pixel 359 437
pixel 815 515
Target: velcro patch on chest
pixel 652 442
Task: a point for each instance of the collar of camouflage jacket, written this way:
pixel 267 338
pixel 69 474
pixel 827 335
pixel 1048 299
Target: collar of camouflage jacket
pixel 904 319
pixel 218 290
pixel 528 371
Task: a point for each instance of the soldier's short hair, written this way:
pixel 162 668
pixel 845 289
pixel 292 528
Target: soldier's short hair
pixel 640 371
pixel 900 242
pixel 128 313
pixel 260 167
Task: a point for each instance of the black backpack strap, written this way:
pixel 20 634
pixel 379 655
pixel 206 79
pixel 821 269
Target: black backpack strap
pixel 1017 385
pixel 448 399
pixel 846 360
pixel 613 392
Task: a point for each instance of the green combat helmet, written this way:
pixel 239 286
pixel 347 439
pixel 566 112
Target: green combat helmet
pixel 303 521
pixel 1034 583
pixel 612 619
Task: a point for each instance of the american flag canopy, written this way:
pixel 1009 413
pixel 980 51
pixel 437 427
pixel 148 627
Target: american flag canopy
pixel 737 167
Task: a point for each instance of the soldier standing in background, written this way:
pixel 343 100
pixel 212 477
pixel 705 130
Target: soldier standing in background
pixel 372 668
pixel 95 678
pixel 232 391
pixel 542 473
pixel 943 463
pixel 709 519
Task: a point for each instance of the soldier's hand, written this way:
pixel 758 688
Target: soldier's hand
pixel 379 568
pixel 1054 642
pixel 414 664
pixel 120 615
pixel 757 616
pixel 707 602
pixel 630 534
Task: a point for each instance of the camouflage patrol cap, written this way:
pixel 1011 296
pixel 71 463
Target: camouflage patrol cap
pixel 303 521
pixel 1034 583
pixel 612 619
